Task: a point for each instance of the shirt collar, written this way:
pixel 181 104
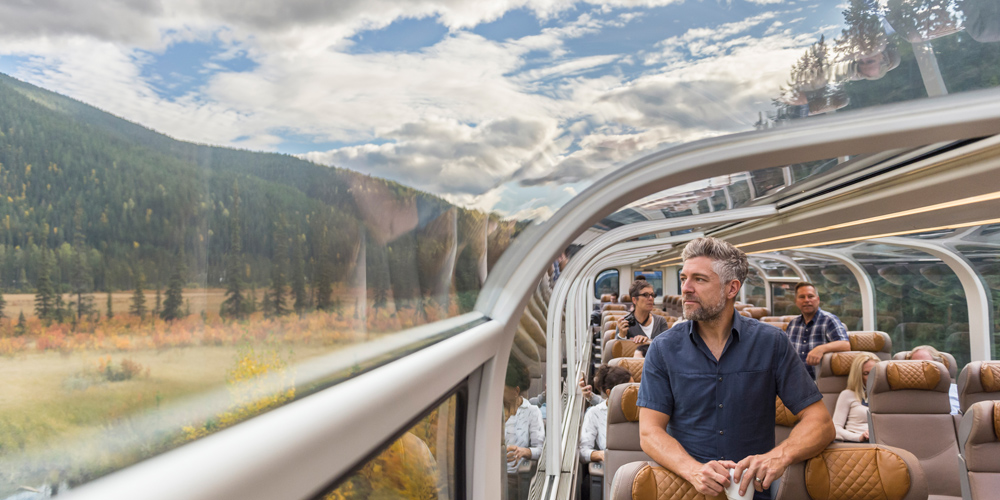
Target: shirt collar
pixel 739 324
pixel 815 316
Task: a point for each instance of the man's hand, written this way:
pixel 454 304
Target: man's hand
pixel 597 456
pixel 712 478
pixel 640 339
pixel 760 470
pixel 815 355
pixel 516 452
pixel 588 391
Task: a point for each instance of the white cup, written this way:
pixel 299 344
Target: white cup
pixel 733 491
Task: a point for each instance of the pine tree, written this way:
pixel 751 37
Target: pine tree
pixel 44 292
pixel 278 283
pixel 324 274
pixel 159 302
pixel 22 325
pixel 251 302
pixel 175 289
pixel 80 278
pixel 138 306
pixel 3 305
pixel 110 314
pixel 235 305
pixel 299 278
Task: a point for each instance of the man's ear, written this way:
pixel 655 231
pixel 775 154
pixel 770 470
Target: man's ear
pixel 733 289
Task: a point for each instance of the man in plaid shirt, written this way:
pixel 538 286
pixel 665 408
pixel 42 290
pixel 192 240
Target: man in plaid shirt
pixel 815 332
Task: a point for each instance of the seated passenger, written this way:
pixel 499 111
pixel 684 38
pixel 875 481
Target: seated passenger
pixel 851 416
pixel 523 428
pixel 641 325
pixel 640 351
pixel 929 353
pixel 714 380
pixel 593 435
pixel 815 332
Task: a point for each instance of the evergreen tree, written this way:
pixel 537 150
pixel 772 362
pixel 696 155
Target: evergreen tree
pixel 299 278
pixel 324 274
pixel 45 294
pixel 159 302
pixel 3 305
pixel 22 325
pixel 80 278
pixel 60 309
pixel 175 289
pixel 277 300
pixel 138 306
pixel 235 305
pixel 251 302
pixel 110 314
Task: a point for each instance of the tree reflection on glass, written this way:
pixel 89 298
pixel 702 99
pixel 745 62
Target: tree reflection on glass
pixel 923 20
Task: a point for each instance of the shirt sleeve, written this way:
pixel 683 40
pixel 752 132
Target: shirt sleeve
pixel 795 387
pixel 654 391
pixel 595 399
pixel 841 414
pixel 536 432
pixel 837 332
pixel 588 435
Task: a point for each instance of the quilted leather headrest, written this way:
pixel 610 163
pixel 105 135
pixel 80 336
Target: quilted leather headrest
pixel 782 415
pixel 867 341
pixel 659 483
pixel 633 365
pixel 921 376
pixel 607 298
pixel 853 473
pixel 996 418
pixel 629 397
pixel 989 376
pixel 840 363
pixel 623 349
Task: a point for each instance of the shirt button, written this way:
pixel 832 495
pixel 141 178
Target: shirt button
pixel 722 432
pixel 720 405
pixel 720 379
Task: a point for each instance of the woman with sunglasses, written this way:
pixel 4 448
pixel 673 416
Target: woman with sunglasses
pixel 641 326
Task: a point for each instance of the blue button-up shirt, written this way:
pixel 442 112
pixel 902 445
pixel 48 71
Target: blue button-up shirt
pixel 724 409
pixel 822 329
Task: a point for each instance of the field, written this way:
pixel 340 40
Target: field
pixel 200 299
pixel 65 384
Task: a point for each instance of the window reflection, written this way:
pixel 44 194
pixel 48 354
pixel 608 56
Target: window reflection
pixel 839 292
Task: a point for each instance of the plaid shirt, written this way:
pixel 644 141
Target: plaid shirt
pixel 824 328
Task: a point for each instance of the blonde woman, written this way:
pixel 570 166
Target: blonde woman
pixel 851 415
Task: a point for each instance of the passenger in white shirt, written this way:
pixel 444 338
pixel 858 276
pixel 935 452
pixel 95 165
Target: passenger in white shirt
pixel 593 435
pixel 524 432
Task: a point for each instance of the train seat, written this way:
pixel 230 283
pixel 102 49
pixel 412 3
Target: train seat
pixel 614 306
pixel 745 312
pixel 633 365
pixel 784 420
pixel 623 432
pixel 617 348
pixel 910 409
pixel 646 480
pixel 950 362
pixel 612 316
pixel 855 470
pixel 979 381
pixel 831 378
pixel 757 312
pixel 876 342
pixel 979 444
pixel 607 297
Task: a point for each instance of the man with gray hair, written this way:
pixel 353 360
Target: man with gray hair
pixel 714 380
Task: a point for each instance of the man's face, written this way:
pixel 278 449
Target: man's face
pixel 703 291
pixel 645 299
pixel 807 300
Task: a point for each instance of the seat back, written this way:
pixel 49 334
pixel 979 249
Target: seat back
pixel 612 316
pixel 617 348
pixel 607 298
pixel 831 378
pixel 879 343
pixel 952 365
pixel 633 365
pixel 979 381
pixel 645 480
pixel 979 444
pixel 849 471
pixel 910 409
pixel 784 420
pixel 757 312
pixel 614 306
pixel 623 432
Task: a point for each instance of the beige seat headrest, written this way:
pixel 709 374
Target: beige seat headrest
pixel 867 341
pixel 851 473
pixel 633 365
pixel 989 376
pixel 909 387
pixel 782 415
pixel 840 362
pixel 649 481
pixel 922 375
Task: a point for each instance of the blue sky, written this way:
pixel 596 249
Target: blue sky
pixel 511 110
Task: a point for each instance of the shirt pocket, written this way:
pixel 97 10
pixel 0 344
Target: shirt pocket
pixel 755 392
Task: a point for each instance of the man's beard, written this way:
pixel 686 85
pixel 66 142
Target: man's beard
pixel 707 312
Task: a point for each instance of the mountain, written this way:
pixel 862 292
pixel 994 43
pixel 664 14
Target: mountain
pixel 119 199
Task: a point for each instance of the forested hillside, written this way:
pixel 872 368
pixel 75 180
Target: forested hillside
pixel 94 201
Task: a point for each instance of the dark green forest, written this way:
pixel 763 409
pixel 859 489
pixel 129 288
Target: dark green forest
pixel 98 203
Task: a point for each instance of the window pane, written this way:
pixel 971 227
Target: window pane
pixel 606 283
pixel 838 290
pixel 654 278
pixel 420 465
pixel 919 301
pixel 783 299
pixel 986 261
pixel 755 293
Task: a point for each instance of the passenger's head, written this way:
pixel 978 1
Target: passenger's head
pixel 607 377
pixel 711 278
pixel 517 381
pixel 640 351
pixel 806 298
pixel 857 379
pixel 928 353
pixel 643 295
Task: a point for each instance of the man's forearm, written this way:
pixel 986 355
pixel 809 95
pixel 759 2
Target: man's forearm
pixel 668 452
pixel 809 437
pixel 837 346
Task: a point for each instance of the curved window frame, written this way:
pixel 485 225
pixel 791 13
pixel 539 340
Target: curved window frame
pixel 605 274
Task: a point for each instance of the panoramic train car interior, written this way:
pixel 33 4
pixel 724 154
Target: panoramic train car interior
pixel 343 317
